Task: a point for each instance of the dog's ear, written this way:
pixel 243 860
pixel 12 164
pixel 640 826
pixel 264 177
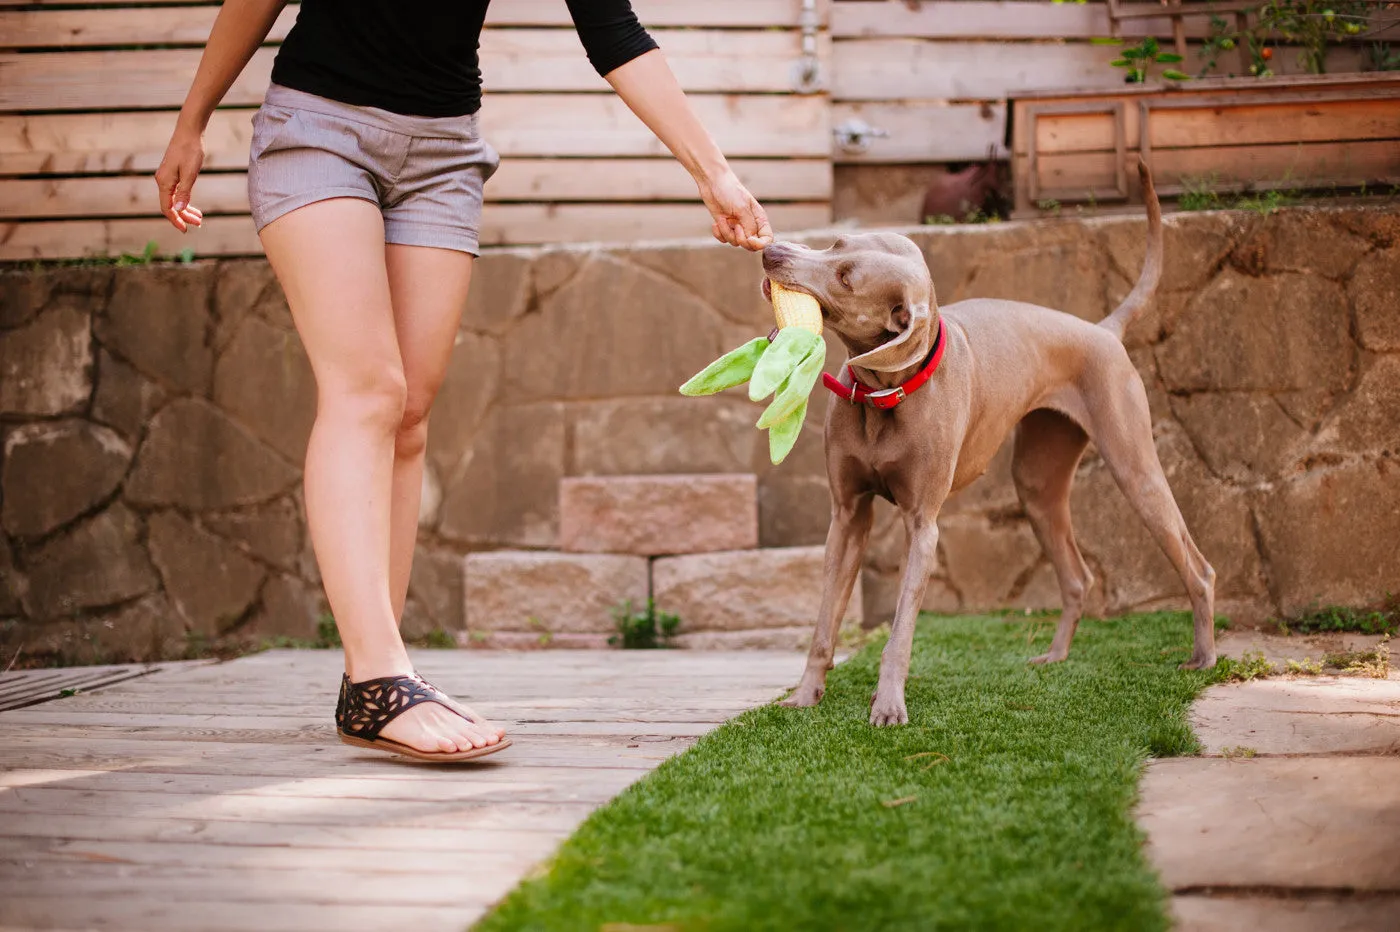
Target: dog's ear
pixel 914 322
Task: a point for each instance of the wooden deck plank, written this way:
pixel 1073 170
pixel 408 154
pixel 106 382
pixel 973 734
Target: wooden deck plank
pixel 228 915
pixel 134 807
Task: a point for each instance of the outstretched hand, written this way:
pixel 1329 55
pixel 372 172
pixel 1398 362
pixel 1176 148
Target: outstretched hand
pixel 739 219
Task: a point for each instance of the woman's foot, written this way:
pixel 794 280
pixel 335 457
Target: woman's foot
pixel 429 727
pixel 432 727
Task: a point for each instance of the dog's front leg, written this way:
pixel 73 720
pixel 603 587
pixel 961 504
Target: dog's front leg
pixel 887 705
pixel 845 547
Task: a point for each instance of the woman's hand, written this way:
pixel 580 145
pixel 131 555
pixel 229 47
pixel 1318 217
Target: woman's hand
pixel 184 157
pixel 739 219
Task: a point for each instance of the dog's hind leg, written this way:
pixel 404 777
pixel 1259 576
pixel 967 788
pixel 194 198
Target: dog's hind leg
pixel 1128 450
pixel 1048 449
pixel 845 547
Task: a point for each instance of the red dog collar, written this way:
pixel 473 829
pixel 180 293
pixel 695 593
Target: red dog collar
pixel 887 398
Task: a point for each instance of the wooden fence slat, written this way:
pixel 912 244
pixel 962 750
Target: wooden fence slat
pixel 502 224
pixel 547 180
pixel 517 125
pixel 752 14
pixel 923 132
pixel 992 19
pixel 917 69
pixel 514 60
pixel 1225 168
pixel 172 25
pixel 1261 124
pixel 549 125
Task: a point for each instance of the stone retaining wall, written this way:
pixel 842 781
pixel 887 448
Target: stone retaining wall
pixel 154 419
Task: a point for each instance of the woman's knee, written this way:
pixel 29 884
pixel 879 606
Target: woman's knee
pixel 411 438
pixel 376 399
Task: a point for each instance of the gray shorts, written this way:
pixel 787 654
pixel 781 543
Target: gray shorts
pixel 425 173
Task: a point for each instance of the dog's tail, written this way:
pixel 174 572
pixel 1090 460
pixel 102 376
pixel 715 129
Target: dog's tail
pixel 1141 296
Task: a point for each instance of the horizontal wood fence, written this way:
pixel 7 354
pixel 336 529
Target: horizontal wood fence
pixel 88 95
pixel 89 91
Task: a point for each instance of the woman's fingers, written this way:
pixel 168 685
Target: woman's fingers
pixel 175 180
pixel 752 225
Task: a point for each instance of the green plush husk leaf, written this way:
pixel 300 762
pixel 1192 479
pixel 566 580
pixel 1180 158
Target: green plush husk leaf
pixel 733 368
pixel 795 389
pixel 789 348
pixel 783 435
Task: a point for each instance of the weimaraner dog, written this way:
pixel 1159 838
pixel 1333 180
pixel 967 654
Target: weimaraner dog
pixel 934 392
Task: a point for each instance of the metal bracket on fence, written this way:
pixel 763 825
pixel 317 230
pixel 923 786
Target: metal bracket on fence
pixel 807 72
pixel 854 135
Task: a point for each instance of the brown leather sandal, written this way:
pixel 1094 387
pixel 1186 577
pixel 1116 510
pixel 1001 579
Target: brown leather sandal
pixel 366 708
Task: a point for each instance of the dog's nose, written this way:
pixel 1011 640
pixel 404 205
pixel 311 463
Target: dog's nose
pixel 775 255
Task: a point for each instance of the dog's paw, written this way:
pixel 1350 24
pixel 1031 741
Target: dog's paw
pixel 803 697
pixel 1199 662
pixel 888 711
pixel 1050 657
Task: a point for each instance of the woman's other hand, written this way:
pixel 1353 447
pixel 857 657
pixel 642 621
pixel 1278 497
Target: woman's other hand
pixel 184 157
pixel 739 219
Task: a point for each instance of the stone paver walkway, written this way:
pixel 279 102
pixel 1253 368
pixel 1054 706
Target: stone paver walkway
pixel 1291 819
pixel 218 798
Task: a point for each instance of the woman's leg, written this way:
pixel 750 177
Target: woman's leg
pixel 329 258
pixel 428 287
pixel 429 290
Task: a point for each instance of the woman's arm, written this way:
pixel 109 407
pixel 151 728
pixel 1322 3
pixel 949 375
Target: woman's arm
pixel 239 29
pixel 647 85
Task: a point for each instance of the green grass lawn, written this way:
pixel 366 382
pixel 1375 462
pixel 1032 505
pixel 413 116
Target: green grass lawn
pixel 1004 804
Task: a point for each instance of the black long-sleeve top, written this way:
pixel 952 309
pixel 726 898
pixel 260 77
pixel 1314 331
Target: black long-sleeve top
pixel 419 57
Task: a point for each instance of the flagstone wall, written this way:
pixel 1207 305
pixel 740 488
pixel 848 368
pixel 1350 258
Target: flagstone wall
pixel 154 419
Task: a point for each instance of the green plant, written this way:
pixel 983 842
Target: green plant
pixel 1199 194
pixel 1252 666
pixel 1305 667
pixel 1311 25
pixel 436 639
pixel 327 635
pixel 643 629
pixel 1238 752
pixel 1263 203
pixel 1384 619
pixel 1137 60
pixel 1374 663
pixel 1381 58
pixel 145 257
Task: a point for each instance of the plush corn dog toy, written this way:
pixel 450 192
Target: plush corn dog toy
pixel 787 362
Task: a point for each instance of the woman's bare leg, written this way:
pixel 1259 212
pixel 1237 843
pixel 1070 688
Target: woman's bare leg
pixel 429 290
pixel 329 258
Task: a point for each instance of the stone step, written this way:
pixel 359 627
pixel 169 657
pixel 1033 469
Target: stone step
pixel 549 592
pixel 658 515
pixel 745 590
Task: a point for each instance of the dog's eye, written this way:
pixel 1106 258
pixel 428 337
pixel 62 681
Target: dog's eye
pixel 844 278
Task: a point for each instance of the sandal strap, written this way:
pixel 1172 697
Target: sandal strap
pixel 367 707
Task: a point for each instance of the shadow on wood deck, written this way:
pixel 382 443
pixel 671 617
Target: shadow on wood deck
pixel 217 796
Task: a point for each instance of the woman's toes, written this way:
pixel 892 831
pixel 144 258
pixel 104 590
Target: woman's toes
pixel 446 744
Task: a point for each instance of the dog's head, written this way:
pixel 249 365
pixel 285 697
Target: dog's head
pixel 875 293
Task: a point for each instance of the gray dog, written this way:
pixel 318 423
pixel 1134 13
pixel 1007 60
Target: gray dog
pixel 934 392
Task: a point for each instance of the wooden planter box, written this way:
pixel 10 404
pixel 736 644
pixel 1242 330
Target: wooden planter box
pixel 1227 134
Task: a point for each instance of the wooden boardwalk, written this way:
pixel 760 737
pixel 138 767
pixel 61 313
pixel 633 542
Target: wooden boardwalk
pixel 217 797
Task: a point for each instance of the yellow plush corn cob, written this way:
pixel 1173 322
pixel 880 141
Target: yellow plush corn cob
pixel 795 309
